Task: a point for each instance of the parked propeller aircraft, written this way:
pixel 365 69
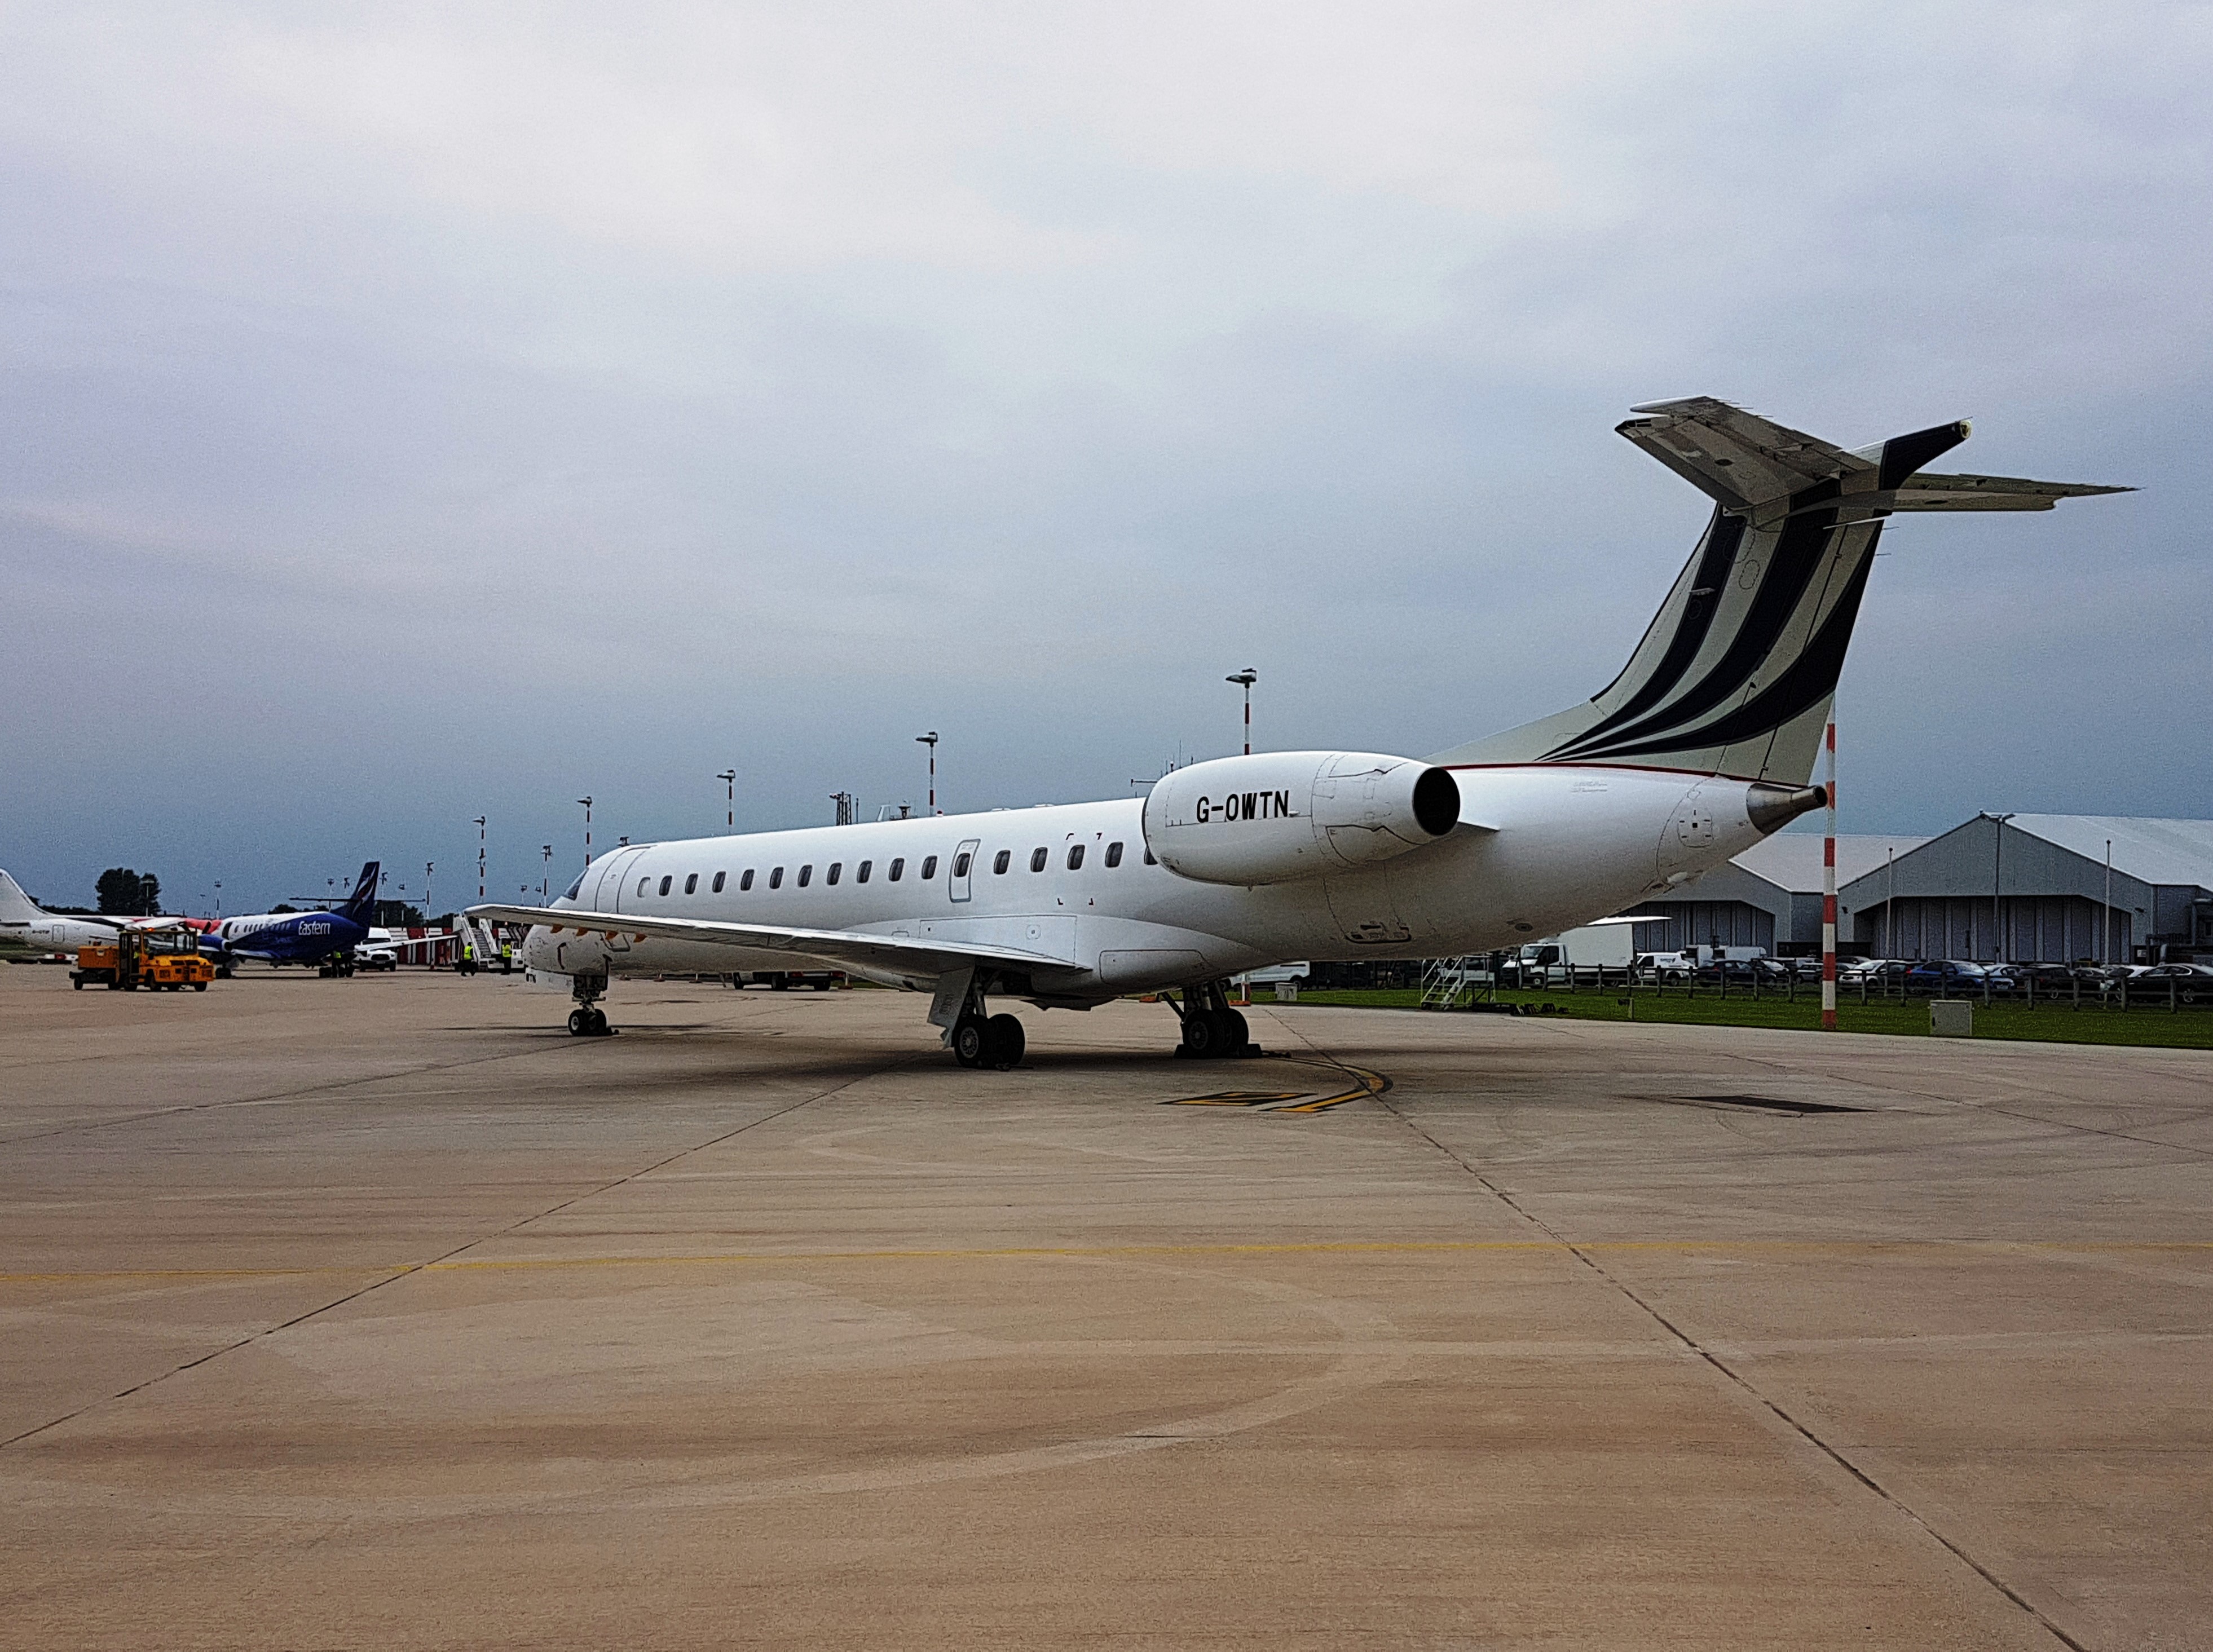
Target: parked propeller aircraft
pixel 310 937
pixel 1704 744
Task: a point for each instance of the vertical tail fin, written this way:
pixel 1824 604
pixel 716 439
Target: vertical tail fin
pixel 15 906
pixel 361 905
pixel 1737 673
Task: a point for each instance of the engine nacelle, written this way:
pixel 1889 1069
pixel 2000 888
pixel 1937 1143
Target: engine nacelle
pixel 1277 816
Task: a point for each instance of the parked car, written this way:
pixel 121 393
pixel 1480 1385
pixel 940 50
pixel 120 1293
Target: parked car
pixel 2054 980
pixel 2192 983
pixel 1947 978
pixel 1744 971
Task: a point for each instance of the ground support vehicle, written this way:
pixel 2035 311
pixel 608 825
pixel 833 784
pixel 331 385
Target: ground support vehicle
pixel 160 959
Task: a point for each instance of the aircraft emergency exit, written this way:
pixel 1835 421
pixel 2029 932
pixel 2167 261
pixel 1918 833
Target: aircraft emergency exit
pixel 1704 743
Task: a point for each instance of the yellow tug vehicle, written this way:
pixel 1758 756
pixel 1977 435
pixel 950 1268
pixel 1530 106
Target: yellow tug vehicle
pixel 163 960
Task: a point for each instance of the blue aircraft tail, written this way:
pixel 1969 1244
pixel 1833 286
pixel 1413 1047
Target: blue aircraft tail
pixel 361 905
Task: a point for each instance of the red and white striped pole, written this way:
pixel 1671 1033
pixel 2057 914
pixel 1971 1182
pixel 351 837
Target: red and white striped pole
pixel 1829 894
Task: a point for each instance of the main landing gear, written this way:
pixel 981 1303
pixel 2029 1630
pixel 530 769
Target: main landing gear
pixel 979 1038
pixel 993 1041
pixel 588 1021
pixel 1211 1029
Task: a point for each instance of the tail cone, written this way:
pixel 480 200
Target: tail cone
pixel 1772 808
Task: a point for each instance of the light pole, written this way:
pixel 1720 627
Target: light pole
pixel 931 741
pixel 1998 862
pixel 545 879
pixel 218 900
pixel 586 803
pixel 1890 901
pixel 480 859
pixel 1247 677
pixel 729 777
pixel 2105 929
pixel 429 867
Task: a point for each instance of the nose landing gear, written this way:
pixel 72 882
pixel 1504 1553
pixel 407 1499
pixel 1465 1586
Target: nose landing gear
pixel 588 1021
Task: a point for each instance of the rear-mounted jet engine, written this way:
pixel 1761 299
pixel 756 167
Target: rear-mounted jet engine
pixel 1278 816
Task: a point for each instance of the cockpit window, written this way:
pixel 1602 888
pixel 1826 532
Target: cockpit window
pixel 574 888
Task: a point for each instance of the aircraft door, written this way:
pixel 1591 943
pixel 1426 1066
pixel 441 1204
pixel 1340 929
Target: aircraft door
pixel 607 896
pixel 963 869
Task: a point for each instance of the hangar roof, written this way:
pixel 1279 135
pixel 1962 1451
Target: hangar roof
pixel 2155 851
pixel 1792 860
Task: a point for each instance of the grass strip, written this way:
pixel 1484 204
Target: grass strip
pixel 2188 1029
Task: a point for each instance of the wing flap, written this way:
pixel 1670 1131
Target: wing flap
pixel 901 954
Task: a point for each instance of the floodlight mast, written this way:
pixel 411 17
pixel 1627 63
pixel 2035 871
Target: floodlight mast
pixel 931 741
pixel 729 777
pixel 1247 677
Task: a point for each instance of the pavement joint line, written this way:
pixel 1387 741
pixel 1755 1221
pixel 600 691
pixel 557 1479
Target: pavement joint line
pixel 412 1269
pixel 1745 1386
pixel 332 1088
pixel 449 1263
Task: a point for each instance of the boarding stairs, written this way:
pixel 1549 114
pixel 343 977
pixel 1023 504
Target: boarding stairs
pixel 1444 980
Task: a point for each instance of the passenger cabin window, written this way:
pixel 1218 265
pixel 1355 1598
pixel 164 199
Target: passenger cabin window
pixel 1037 860
pixel 999 861
pixel 805 874
pixel 959 865
pixel 1074 857
pixel 1113 854
pixel 642 883
pixel 665 882
pixel 836 867
pixel 898 869
pixel 776 878
pixel 716 888
pixel 930 867
pixel 861 872
pixel 746 881
pixel 691 884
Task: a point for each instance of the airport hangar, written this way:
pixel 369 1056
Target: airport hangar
pixel 1901 897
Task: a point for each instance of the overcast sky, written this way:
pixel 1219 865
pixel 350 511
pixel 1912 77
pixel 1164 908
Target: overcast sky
pixel 421 411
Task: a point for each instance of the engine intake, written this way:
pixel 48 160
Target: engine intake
pixel 1278 816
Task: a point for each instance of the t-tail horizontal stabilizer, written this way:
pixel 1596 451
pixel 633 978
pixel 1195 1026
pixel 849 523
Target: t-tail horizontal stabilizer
pixel 1735 674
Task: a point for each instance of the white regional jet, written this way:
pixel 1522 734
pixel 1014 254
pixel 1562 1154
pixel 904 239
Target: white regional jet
pixel 28 927
pixel 1704 743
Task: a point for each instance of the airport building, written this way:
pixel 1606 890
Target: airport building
pixel 2023 888
pixel 1769 897
pixel 2040 888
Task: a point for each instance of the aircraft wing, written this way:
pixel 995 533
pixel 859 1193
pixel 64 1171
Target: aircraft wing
pixel 896 954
